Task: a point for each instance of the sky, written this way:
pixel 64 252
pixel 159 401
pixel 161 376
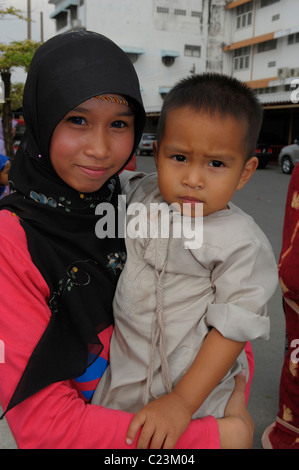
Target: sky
pixel 16 30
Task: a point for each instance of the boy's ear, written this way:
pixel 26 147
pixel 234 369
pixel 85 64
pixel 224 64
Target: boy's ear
pixel 248 170
pixel 155 151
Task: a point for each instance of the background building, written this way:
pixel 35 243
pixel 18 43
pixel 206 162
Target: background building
pixel 256 41
pixel 165 39
pixel 262 49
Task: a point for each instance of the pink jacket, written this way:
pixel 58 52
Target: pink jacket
pixel 57 417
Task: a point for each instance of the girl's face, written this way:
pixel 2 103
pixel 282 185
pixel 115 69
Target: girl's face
pixel 92 143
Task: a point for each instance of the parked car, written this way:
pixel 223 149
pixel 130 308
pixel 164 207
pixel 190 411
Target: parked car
pixel 288 157
pixel 146 144
pixel 20 130
pixel 264 154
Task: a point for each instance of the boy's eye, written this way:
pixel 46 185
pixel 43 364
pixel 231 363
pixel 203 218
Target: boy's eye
pixel 216 163
pixel 179 158
pixel 118 124
pixel 76 120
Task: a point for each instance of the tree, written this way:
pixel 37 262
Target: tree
pixel 15 54
pixel 11 11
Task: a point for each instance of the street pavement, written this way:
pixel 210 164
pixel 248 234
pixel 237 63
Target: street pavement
pixel 264 199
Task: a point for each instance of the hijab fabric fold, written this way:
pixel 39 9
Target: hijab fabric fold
pixel 59 222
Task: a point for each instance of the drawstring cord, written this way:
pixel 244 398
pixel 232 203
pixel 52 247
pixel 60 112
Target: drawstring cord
pixel 158 335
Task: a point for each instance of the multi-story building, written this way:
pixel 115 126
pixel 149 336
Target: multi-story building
pixel 165 39
pixel 256 41
pixel 262 49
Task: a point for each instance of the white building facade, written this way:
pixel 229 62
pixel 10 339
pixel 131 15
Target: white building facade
pixel 165 39
pixel 262 49
pixel 257 41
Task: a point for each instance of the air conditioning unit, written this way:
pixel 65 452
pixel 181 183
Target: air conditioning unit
pixel 283 72
pixel 76 24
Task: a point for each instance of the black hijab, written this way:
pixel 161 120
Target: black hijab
pixel 80 269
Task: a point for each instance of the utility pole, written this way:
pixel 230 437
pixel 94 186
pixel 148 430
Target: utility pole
pixel 29 19
pixel 41 27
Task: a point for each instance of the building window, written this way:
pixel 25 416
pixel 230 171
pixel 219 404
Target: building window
pixel 293 38
pixel 168 60
pixel 177 11
pixel 276 17
pixel 192 51
pixel 265 3
pixel 61 20
pixel 242 58
pixel 197 14
pixel 244 15
pixel 267 45
pixel 162 10
pixel 272 64
pixel 266 90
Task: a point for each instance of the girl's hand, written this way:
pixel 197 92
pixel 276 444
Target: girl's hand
pixel 163 421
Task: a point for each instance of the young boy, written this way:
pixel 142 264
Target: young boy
pixel 184 315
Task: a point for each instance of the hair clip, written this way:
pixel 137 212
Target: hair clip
pixel 112 99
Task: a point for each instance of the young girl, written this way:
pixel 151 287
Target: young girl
pixel 84 118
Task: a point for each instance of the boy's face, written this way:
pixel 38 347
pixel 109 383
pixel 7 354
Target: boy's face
pixel 202 159
pixel 92 143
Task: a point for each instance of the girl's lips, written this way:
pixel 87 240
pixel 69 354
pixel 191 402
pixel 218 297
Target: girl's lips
pixel 93 171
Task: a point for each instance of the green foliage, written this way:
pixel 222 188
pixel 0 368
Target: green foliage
pixel 11 11
pixel 16 96
pixel 17 54
pixel 12 55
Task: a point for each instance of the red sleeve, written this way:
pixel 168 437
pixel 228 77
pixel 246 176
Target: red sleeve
pixel 56 417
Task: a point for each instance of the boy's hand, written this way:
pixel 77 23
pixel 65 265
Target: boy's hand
pixel 163 421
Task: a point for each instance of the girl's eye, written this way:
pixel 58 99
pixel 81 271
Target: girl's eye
pixel 216 163
pixel 118 124
pixel 179 158
pixel 76 120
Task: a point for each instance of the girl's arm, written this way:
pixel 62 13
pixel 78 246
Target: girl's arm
pixel 56 417
pixel 166 418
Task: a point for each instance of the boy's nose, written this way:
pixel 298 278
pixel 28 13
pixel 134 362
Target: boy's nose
pixel 193 179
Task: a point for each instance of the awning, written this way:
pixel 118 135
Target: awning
pixel 132 50
pixel 164 89
pixel 169 53
pixel 63 7
pixel 282 97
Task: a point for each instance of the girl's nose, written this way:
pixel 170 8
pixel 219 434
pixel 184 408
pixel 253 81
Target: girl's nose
pixel 97 144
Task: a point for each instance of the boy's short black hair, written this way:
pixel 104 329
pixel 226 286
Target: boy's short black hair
pixel 218 95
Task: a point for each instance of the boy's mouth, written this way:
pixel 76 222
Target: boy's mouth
pixel 190 200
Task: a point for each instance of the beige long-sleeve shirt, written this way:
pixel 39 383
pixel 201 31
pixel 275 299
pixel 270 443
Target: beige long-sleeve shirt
pixel 224 284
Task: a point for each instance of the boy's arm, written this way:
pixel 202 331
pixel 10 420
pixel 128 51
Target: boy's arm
pixel 165 419
pixel 214 359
